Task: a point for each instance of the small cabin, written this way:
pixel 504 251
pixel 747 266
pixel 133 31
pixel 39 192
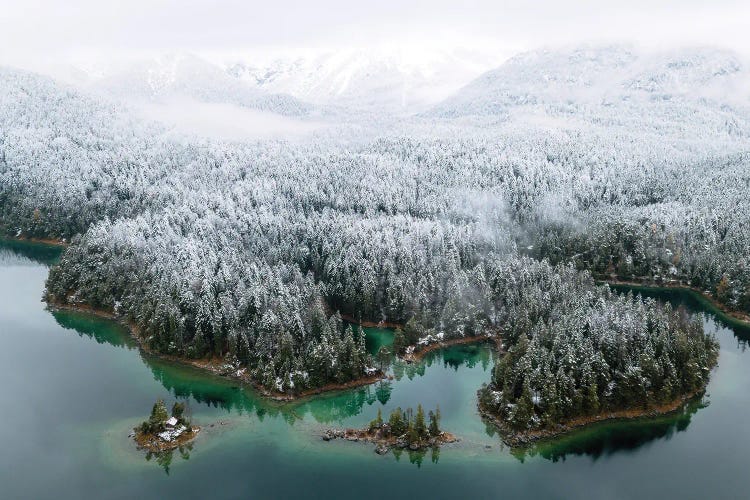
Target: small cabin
pixel 171 422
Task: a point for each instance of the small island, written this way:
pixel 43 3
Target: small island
pixel 162 432
pixel 404 429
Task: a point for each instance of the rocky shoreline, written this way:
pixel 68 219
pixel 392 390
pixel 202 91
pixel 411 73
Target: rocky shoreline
pixel 157 443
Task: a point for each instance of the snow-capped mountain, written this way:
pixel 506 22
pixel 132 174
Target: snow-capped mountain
pixel 394 80
pixel 182 76
pixel 613 86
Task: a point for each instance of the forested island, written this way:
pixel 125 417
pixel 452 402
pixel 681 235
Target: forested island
pixel 247 254
pixel 403 429
pixel 162 432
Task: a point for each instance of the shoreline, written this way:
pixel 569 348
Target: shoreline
pixel 524 438
pixel 151 443
pixel 509 437
pixel 384 444
pixel 56 242
pixel 733 314
pixel 214 365
pixel 370 324
pixel 418 355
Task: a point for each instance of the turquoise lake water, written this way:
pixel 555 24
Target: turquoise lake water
pixel 73 386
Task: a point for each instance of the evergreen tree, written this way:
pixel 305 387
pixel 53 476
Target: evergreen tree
pixel 413 331
pixel 420 426
pixel 523 410
pixel 434 428
pixel 592 399
pixel 157 419
pixel 378 422
pixel 383 358
pixel 399 341
pixel 178 410
pixel 397 422
pixel 159 414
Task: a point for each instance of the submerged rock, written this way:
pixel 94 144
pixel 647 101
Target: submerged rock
pixel 330 434
pixel 381 449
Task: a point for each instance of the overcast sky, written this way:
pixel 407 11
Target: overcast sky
pixel 36 30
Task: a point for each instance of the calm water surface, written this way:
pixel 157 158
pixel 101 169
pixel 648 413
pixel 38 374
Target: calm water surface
pixel 73 386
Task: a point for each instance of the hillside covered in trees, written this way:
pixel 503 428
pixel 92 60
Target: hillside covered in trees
pixel 457 224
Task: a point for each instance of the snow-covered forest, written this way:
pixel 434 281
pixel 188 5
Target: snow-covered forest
pixel 488 212
pixel 580 350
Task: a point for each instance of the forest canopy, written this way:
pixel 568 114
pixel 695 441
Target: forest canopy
pixel 252 251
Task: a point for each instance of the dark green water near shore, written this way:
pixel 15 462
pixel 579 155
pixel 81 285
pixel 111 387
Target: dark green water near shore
pixel 73 385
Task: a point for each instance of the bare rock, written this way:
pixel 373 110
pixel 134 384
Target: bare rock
pixel 381 449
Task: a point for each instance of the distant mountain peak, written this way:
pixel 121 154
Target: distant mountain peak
pixel 392 79
pixel 702 88
pixel 181 75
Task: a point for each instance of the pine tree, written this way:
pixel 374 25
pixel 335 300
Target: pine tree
pixel 524 409
pixel 397 423
pixel 412 435
pixel 378 422
pixel 592 399
pixel 434 423
pixel 383 358
pixel 178 410
pixel 412 331
pixel 722 290
pixel 419 423
pixel 399 341
pixel 159 412
pixel 157 419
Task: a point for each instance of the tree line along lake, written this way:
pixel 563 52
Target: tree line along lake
pixel 74 385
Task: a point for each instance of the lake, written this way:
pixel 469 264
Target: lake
pixel 74 385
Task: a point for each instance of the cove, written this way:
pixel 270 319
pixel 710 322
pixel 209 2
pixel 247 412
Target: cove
pixel 73 385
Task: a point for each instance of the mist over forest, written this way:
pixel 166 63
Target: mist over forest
pixel 225 216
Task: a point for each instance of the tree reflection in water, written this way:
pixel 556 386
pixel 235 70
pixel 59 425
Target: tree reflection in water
pixel 164 458
pixel 607 438
pixel 191 384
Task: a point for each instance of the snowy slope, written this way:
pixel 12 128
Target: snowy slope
pixel 389 79
pixel 613 86
pixel 182 76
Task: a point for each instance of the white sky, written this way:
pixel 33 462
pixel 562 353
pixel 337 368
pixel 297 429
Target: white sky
pixel 47 30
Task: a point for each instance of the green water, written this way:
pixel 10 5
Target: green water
pixel 74 385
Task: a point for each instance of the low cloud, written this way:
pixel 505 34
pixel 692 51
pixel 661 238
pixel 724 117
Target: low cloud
pixel 223 121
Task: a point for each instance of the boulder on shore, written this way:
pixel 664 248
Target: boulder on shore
pixel 381 449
